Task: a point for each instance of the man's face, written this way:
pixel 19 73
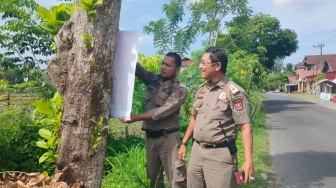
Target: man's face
pixel 207 67
pixel 168 67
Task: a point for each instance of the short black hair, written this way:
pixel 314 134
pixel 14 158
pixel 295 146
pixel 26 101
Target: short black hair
pixel 218 54
pixel 177 58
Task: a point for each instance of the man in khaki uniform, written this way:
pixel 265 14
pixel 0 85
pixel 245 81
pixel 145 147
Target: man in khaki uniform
pixel 219 106
pixel 164 97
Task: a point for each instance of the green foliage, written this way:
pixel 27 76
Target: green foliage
pixel 96 136
pixel 55 18
pixel 190 77
pixel 274 81
pixel 48 114
pixel 261 35
pixel 168 34
pixel 245 70
pixel 88 40
pixel 320 77
pixel 289 68
pixel 23 41
pixel 18 137
pixel 89 6
pixel 209 15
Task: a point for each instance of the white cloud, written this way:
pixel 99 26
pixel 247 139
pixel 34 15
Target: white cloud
pixel 295 4
pixel 147 39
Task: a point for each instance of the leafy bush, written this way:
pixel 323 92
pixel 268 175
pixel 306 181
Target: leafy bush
pixel 18 151
pixel 48 114
pixel 190 77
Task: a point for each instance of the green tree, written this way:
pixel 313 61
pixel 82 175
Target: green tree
pixel 261 35
pixel 169 35
pixel 289 68
pixel 209 16
pixel 24 42
pixel 275 80
pixel 278 67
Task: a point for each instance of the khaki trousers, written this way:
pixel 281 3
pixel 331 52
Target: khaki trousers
pixel 161 154
pixel 211 168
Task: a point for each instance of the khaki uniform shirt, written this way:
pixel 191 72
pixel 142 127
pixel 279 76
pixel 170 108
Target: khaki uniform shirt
pixel 226 103
pixel 163 100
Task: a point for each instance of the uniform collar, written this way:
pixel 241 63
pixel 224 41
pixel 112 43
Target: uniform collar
pixel 171 80
pixel 220 84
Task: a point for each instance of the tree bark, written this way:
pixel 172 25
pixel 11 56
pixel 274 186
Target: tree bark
pixel 83 76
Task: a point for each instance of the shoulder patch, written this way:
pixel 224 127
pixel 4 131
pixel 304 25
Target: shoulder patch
pixel 234 90
pixel 239 105
pixel 177 93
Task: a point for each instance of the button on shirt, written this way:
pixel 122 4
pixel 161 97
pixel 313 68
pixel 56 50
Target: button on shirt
pixel 226 103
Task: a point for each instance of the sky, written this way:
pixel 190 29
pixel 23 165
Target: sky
pixel 312 20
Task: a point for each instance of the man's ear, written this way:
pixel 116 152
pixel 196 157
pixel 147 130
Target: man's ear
pixel 178 69
pixel 218 66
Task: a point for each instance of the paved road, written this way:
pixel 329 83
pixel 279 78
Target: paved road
pixel 302 142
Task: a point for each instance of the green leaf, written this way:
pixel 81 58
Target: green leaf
pixel 42 144
pixel 45 133
pixel 46 15
pixel 72 8
pixel 43 107
pixel 45 156
pixel 98 3
pixel 51 141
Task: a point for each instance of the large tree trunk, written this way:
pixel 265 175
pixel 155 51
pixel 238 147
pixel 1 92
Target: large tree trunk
pixel 83 76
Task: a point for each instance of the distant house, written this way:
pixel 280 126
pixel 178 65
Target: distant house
pixel 292 84
pixel 308 69
pixel 186 62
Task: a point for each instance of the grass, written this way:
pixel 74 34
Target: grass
pixel 261 155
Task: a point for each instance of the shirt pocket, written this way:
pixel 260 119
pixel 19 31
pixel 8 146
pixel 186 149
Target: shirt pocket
pixel 161 98
pixel 197 105
pixel 219 110
pixel 149 95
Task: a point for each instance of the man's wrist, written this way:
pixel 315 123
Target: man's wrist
pixel 183 144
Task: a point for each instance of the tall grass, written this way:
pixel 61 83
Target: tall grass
pixel 128 169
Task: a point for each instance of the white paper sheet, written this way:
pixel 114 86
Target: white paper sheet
pixel 126 56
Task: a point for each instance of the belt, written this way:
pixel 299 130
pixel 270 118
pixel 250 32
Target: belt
pixel 157 134
pixel 219 145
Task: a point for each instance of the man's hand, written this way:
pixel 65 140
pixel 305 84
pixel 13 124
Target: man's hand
pixel 249 171
pixel 128 121
pixel 182 153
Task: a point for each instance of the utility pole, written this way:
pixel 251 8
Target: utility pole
pixel 320 46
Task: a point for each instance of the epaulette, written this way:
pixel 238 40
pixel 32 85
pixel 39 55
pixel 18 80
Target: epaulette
pixel 234 90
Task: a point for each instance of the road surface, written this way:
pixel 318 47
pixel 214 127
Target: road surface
pixel 302 142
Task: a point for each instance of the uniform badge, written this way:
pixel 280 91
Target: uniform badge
pixel 177 93
pixel 233 89
pixel 199 103
pixel 237 98
pixel 222 96
pixel 239 105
